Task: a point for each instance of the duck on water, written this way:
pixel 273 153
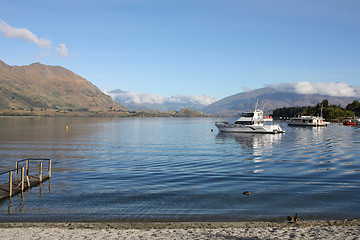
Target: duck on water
pixel 251 122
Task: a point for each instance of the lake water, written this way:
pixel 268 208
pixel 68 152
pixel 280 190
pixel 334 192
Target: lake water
pixel 178 169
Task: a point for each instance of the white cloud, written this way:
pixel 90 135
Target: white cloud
pixel 150 98
pixel 62 50
pixel 195 99
pixel 138 98
pixel 26 35
pixel 338 89
pixel 23 34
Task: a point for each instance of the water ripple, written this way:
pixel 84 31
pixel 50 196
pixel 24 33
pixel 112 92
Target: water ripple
pixel 178 168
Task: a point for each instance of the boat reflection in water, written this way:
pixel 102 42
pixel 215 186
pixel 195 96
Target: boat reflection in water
pixel 255 143
pixel 254 154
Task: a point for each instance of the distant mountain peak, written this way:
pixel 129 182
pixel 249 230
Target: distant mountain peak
pixel 118 90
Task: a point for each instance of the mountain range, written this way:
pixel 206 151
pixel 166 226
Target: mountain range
pixel 39 87
pixel 271 98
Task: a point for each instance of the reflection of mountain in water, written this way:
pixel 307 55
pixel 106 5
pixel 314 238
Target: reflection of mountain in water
pixel 255 142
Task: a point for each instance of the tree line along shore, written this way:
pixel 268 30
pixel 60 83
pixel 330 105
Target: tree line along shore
pixel 329 112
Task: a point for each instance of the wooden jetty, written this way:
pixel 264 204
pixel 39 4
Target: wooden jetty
pixel 23 176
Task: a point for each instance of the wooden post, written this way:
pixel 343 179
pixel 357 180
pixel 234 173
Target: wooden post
pixel 16 167
pixel 28 181
pixel 41 194
pixel 40 172
pixel 10 183
pixel 49 168
pixel 22 179
pixel 27 167
pixel 49 185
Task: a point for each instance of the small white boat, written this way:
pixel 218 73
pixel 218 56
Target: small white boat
pixel 310 121
pixel 251 122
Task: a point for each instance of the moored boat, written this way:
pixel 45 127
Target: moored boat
pixel 350 122
pixel 310 121
pixel 251 122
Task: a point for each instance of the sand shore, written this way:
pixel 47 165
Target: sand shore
pixel 342 229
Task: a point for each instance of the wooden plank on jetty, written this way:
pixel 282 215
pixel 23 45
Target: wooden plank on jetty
pixel 16 187
pixel 27 180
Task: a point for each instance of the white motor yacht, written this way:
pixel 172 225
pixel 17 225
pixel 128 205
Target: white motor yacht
pixel 251 122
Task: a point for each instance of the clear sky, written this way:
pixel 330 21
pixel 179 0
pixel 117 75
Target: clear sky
pixel 206 47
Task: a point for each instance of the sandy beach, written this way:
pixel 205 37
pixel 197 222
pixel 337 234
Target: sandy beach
pixel 342 229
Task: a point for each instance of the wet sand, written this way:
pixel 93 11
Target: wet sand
pixel 342 229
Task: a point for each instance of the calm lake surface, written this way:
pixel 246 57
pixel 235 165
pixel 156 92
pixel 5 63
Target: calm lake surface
pixel 178 169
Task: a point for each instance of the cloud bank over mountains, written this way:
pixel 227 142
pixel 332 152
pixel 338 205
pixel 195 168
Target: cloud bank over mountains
pixel 27 36
pixel 281 95
pixel 150 101
pixel 334 89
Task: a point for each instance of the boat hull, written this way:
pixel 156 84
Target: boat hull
pixel 347 123
pixel 308 125
pixel 238 128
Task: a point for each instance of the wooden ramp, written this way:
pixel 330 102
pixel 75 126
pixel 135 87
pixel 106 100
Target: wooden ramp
pixel 26 180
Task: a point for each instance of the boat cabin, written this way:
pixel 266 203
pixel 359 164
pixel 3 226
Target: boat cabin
pixel 307 121
pixel 245 122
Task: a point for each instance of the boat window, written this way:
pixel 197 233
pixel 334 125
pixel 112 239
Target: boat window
pixel 244 122
pixel 247 115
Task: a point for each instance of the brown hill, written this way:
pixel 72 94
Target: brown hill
pixel 50 87
pixel 188 112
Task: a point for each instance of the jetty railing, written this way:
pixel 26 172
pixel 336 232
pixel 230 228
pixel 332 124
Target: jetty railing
pixel 24 166
pixel 39 160
pixel 11 179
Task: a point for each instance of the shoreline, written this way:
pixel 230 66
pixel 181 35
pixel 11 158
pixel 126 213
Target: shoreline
pixel 179 225
pixel 330 229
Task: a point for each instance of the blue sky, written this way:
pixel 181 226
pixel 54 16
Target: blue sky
pixel 205 47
